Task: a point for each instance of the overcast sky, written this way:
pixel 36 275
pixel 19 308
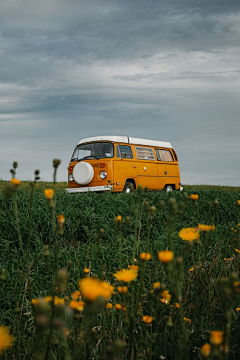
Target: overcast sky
pixel 163 70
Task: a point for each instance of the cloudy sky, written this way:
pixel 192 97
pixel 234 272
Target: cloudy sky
pixel 163 69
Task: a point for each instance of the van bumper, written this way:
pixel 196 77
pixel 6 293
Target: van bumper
pixel 90 188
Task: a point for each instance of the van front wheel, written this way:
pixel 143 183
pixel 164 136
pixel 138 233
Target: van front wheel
pixel 168 188
pixel 128 188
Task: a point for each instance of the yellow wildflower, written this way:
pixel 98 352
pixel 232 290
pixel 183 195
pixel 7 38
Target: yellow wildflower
pixel 206 227
pixel 109 305
pixel 187 320
pixel 6 340
pixel 126 275
pixel 61 219
pixel 73 304
pixel 191 269
pixel 80 306
pixel 122 289
pixel 147 319
pixel 118 306
pixel 177 305
pixel 189 234
pixel 58 301
pixel 49 193
pixel 165 297
pixel 134 267
pixel 216 337
pixel 237 309
pixel 165 256
pixel 156 285
pixel 75 295
pixel 238 202
pixel 91 289
pixel 194 197
pixel 145 256
pixel 206 350
pixel 86 270
pixel 15 182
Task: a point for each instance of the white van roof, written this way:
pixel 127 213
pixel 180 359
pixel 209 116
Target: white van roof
pixel 127 140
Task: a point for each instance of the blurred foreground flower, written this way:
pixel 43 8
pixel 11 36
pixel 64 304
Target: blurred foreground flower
pixel 206 227
pixel 49 193
pixel 165 297
pixel 165 256
pixel 145 256
pixel 147 319
pixel 216 337
pixel 126 275
pixel 91 289
pixel 194 197
pixel 15 182
pixel 6 340
pixel 189 234
pixel 206 350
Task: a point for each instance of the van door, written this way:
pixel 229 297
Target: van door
pixel 167 168
pixel 124 167
pixel 147 167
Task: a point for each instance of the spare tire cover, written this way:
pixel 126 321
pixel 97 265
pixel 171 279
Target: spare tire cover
pixel 83 173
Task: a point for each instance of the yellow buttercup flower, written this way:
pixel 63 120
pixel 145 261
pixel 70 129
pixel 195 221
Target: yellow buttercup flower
pixel 76 295
pixel 126 275
pixel 86 270
pixel 15 182
pixel 187 320
pixel 216 337
pixel 237 309
pixel 49 193
pixel 58 301
pixel 191 269
pixel 206 350
pixel 61 219
pixel 118 306
pixel 122 289
pixel 91 289
pixel 156 285
pixel 147 319
pixel 194 197
pixel 177 305
pixel 165 256
pixel 189 234
pixel 134 267
pixel 109 306
pixel 145 256
pixel 6 340
pixel 238 202
pixel 206 227
pixel 165 297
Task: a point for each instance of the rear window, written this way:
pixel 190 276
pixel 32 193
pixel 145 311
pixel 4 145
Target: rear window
pixel 144 153
pixel 164 155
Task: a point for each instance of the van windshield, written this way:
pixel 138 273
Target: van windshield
pixel 96 150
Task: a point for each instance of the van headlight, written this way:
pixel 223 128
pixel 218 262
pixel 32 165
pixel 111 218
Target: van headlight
pixel 70 178
pixel 103 175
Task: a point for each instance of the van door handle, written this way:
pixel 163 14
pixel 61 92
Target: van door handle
pixel 134 167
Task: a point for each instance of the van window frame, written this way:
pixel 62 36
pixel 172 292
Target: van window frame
pixel 97 158
pixel 158 157
pixel 119 153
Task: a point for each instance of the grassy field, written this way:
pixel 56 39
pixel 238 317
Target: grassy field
pixel 198 292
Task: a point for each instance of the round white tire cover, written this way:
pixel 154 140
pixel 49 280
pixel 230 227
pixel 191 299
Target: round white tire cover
pixel 83 173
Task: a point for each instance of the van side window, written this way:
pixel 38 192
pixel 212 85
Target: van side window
pixel 124 151
pixel 144 153
pixel 164 155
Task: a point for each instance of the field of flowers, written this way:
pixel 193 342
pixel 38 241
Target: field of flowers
pixel 146 275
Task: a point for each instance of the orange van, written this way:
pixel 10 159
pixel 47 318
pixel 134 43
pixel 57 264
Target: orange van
pixel 122 163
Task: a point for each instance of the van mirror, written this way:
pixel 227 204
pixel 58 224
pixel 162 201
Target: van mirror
pixel 123 155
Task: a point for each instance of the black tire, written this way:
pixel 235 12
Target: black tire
pixel 128 187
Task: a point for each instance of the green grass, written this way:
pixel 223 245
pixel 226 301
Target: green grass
pixel 205 301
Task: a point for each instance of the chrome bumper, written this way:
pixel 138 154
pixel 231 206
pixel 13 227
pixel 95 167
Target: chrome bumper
pixel 90 188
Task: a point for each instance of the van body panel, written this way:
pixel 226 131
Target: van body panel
pixel 145 168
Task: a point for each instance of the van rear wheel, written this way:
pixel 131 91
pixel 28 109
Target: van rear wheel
pixel 128 187
pixel 168 188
